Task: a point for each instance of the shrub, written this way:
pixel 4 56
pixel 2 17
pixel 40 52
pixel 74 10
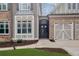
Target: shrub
pixel 1 43
pixel 19 41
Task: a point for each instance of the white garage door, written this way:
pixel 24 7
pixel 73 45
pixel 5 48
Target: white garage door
pixel 77 31
pixel 63 31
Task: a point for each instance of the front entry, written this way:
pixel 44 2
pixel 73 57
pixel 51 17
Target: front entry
pixel 43 29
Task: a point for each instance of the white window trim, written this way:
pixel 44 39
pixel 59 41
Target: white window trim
pixel 77 7
pixel 26 34
pixel 5 28
pixel 2 7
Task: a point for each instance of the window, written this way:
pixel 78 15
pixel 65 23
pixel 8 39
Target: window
pixel 3 7
pixel 24 6
pixel 4 29
pixel 69 5
pixel 74 5
pixel 24 27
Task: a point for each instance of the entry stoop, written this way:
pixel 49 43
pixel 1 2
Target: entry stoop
pixel 43 43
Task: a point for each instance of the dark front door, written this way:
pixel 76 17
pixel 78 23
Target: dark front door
pixel 43 29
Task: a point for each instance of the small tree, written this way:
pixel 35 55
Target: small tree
pixel 13 44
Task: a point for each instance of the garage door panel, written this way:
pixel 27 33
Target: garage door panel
pixel 58 35
pixel 77 26
pixel 68 26
pixel 77 31
pixel 58 26
pixel 77 34
pixel 68 34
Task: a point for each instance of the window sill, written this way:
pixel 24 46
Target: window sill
pixel 3 10
pixel 4 34
pixel 24 34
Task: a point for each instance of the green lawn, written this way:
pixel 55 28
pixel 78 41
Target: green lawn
pixel 30 52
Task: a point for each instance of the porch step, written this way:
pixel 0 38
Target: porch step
pixel 45 43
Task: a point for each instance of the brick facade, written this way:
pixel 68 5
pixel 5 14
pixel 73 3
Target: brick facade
pixel 6 16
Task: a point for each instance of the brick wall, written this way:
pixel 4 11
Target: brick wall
pixel 5 16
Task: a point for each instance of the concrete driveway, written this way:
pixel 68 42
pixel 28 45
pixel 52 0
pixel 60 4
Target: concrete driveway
pixel 71 46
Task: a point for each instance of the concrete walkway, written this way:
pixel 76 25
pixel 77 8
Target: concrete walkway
pixel 71 46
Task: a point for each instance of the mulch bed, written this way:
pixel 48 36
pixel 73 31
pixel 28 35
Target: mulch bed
pixel 19 43
pixel 53 50
pixel 52 40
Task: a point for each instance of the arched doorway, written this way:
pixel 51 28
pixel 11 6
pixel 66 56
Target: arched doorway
pixel 43 28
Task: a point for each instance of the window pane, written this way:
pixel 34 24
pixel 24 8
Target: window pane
pixel 0 6
pixel 29 30
pixel 7 31
pixel 6 26
pixel 29 25
pixel 74 5
pixel 18 30
pixel 69 5
pixel 2 31
pixel 1 26
pixel 24 6
pixel 4 6
pixel 19 25
pixel 24 25
pixel 24 30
